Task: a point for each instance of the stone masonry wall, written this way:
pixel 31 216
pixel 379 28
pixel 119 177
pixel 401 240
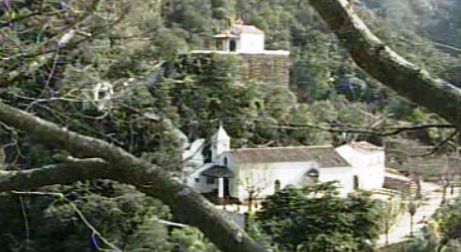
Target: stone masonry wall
pixel 245 67
pixel 267 68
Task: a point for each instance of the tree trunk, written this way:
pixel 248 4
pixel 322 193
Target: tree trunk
pixel 444 195
pixel 418 188
pixel 250 200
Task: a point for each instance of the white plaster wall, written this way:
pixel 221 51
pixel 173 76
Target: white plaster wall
pixel 369 167
pixel 232 166
pixel 345 176
pixel 351 156
pixel 374 171
pixel 263 176
pixel 218 147
pixel 201 185
pixel 194 154
pixel 251 42
pixel 190 181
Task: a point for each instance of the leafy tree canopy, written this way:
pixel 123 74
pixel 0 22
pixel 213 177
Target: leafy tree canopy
pixel 316 219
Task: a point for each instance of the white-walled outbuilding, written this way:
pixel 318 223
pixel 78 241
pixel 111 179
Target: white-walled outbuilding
pixel 368 162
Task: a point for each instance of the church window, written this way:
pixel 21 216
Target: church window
pixel 356 182
pixel 312 173
pixel 311 177
pixel 277 185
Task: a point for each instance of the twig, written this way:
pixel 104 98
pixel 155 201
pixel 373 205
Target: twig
pixel 456 49
pixel 339 129
pixel 4 24
pixel 174 224
pixel 26 221
pixel 433 150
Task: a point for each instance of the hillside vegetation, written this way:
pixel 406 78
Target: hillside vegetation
pixel 130 42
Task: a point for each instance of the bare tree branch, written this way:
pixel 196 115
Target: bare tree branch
pixel 456 49
pixel 433 150
pixel 387 131
pixel 391 69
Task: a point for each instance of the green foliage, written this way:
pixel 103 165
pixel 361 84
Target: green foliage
pixel 124 217
pixel 419 245
pixel 316 219
pixel 448 221
pixel 126 48
pixel 205 93
pixel 191 239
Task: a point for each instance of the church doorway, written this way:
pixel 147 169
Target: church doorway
pixel 226 188
pixel 277 185
pixel 232 45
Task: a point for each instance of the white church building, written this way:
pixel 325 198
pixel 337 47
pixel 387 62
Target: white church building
pixel 234 173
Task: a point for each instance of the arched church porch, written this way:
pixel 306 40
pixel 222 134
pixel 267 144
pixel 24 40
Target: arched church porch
pixel 219 178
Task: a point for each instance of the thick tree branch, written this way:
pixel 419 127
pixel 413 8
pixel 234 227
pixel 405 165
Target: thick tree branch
pixel 84 169
pixel 188 205
pixel 388 67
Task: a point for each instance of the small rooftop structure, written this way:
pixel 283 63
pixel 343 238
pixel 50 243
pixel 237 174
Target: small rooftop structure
pixel 240 38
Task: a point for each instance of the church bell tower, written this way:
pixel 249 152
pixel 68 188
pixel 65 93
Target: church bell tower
pixel 220 143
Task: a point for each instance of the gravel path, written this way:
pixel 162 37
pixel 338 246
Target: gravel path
pixel 401 231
